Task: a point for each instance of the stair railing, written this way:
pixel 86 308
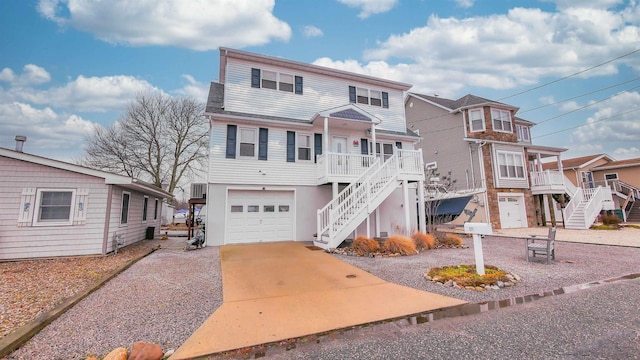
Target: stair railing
pixel 594 205
pixel 571 207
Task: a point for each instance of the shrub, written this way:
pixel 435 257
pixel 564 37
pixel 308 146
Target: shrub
pixel 450 239
pixel 423 241
pixel 363 245
pixel 609 219
pixel 400 244
pixel 465 275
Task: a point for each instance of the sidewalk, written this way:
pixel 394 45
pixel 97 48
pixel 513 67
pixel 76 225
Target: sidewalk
pixel 624 237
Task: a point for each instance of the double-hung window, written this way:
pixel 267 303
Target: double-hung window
pixel 376 98
pixel 286 83
pixel 247 143
pixel 269 80
pixel 145 207
pixel 55 207
pixel 523 133
pixel 501 120
pixel 476 122
pixel 511 165
pixel 304 147
pixel 358 95
pixel 362 96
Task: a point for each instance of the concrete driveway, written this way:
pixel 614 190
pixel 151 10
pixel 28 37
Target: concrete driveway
pixel 284 290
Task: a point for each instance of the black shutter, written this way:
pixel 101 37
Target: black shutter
pixel 255 78
pixel 317 145
pixel 232 130
pixel 298 82
pixel 352 94
pixel 385 99
pixel 399 145
pixel 291 146
pixel 263 140
pixel 364 146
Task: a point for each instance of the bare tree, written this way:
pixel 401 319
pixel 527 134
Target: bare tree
pixel 437 187
pixel 159 139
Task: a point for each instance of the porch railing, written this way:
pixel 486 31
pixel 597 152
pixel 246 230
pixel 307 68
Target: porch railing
pixel 410 162
pixel 352 166
pixel 547 178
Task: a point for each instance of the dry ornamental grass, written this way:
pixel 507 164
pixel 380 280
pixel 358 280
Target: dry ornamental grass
pixel 32 287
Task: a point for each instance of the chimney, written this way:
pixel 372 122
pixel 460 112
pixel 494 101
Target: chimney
pixel 20 140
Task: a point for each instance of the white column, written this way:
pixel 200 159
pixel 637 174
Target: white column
pixel 373 140
pixel 377 212
pixel 334 190
pixel 539 161
pixel 422 217
pixel 326 137
pixel 407 212
pixel 369 225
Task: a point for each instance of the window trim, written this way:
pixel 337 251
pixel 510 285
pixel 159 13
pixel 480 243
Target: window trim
pixel 510 121
pixel 155 209
pixel 258 79
pixel 122 208
pixel 605 176
pixel 482 120
pixel 354 97
pixel 520 131
pixel 239 142
pixel 514 154
pixel 145 208
pixel 38 200
pixel 298 147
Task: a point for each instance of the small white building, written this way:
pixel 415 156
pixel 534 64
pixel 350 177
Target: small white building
pixel 308 153
pixel 50 208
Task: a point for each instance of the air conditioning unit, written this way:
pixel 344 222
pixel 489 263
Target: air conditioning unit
pixel 198 191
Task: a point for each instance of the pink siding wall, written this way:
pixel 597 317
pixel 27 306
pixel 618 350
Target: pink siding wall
pixel 18 242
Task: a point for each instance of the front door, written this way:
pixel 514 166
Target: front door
pixel 587 180
pixel 339 146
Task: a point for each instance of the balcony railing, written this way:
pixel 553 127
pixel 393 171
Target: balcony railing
pixel 349 167
pixel 548 181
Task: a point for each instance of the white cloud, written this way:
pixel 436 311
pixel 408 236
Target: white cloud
pixel 626 153
pixel 31 75
pixel 196 24
pixel 96 94
pixel 370 7
pixel 47 131
pixel 195 89
pixel 311 31
pixel 465 3
pixel 504 51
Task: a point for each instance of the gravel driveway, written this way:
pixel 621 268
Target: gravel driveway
pixel 164 297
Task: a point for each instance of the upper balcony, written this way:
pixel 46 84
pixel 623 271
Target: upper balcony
pixel 346 168
pixel 547 182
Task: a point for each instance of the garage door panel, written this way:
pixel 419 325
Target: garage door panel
pixel 257 216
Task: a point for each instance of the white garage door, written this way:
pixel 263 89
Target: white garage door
pixel 512 212
pixel 259 216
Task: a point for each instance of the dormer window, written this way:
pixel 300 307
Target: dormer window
pixel 476 122
pixel 501 120
pixel 523 133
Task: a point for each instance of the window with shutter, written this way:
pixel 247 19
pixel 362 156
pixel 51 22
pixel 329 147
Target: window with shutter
pixel 263 139
pixel 231 141
pixel 291 146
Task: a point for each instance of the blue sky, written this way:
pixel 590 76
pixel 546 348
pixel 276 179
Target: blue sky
pixel 69 65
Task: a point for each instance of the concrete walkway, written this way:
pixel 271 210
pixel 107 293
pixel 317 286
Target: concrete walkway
pixel 284 290
pixel 623 237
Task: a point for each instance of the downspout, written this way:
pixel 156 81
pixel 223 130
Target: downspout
pixel 107 220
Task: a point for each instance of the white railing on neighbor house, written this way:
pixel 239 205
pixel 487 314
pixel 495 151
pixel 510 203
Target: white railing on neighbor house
pixel 339 217
pixel 547 178
pixel 594 204
pixel 569 187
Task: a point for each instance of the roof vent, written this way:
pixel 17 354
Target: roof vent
pixel 20 140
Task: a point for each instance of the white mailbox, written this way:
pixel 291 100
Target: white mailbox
pixel 478 228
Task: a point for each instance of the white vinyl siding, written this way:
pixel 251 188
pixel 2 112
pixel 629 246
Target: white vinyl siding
pixel 476 120
pixel 321 92
pixel 276 170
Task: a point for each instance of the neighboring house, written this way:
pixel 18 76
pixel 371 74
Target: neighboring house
pixel 622 177
pixel 489 152
pixel 308 153
pixel 52 208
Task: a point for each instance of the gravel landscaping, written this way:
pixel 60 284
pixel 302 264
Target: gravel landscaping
pixel 165 296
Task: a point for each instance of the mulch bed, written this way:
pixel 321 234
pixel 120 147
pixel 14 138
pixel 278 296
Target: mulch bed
pixel 32 287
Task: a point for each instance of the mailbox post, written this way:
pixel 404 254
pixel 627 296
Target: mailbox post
pixel 477 230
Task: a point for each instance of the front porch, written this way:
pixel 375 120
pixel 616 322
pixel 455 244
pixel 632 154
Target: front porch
pixel 346 168
pixel 547 182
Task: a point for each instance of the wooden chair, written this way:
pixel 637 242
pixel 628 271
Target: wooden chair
pixel 542 246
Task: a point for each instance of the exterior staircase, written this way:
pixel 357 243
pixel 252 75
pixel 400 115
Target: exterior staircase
pixel 356 202
pixel 585 205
